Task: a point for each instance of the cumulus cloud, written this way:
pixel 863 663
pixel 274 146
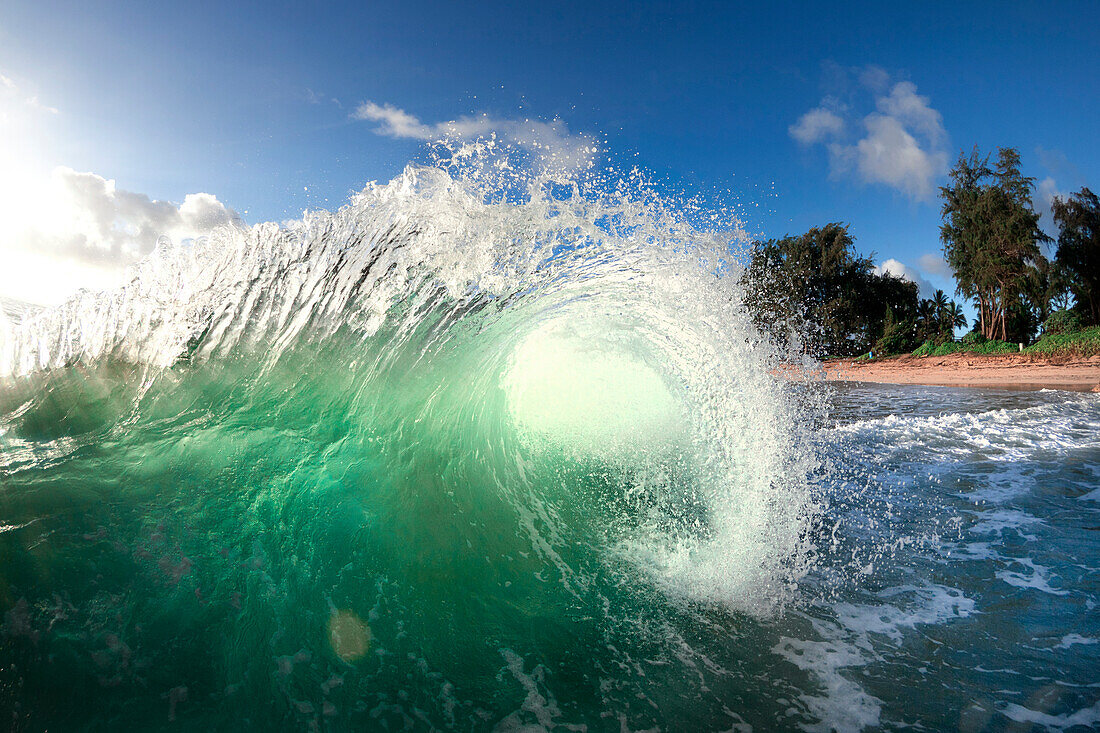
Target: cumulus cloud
pixel 889 154
pixel 909 108
pixel 816 125
pixel 875 78
pixel 552 141
pixel 934 264
pixel 896 268
pixel 99 220
pixel 74 223
pixel 900 144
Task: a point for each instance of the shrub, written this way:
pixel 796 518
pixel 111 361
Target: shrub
pixel 1079 343
pixel 898 338
pixel 993 346
pixel 974 346
pixel 1061 321
pixel 925 349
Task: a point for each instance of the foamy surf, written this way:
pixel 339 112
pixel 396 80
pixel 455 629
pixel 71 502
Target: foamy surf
pixel 483 451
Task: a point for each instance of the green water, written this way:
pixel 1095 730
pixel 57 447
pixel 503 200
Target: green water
pixel 422 463
pixel 341 537
pixel 442 460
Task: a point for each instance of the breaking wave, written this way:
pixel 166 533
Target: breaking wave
pixel 452 424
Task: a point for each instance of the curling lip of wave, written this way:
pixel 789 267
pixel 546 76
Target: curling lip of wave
pixel 427 246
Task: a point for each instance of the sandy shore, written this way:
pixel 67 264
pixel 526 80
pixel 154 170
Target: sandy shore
pixel 1009 371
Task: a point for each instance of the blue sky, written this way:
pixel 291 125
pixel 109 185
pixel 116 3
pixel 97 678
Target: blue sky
pixel 255 105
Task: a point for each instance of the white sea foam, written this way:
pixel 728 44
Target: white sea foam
pixel 1023 572
pixel 843 705
pixel 1086 717
pixel 996 522
pixel 997 435
pixel 854 640
pixel 1074 639
pixel 934 604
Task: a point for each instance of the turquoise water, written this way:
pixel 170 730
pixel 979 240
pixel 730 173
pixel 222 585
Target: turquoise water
pixel 431 463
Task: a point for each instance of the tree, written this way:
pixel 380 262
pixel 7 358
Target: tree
pixel 943 326
pixel 897 336
pixel 928 325
pixel 816 287
pixel 1044 288
pixel 954 316
pixel 991 236
pixel 937 317
pixel 1078 254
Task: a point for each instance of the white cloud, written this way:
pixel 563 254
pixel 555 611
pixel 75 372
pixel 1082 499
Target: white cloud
pixel 1046 191
pixel 1044 197
pixel 106 221
pixel 817 125
pixel 903 144
pixel 62 230
pixel 911 109
pixel 896 268
pixel 874 78
pixel 80 230
pixel 395 122
pixel 889 154
pixel 552 141
pixel 934 264
pixel 11 95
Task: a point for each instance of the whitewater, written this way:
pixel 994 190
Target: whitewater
pixel 488 450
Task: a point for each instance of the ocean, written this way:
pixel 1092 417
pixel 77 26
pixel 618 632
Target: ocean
pixel 444 460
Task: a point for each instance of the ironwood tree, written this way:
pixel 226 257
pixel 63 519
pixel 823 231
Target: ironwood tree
pixel 991 239
pixel 1078 253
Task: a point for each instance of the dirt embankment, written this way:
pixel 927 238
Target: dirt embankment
pixel 1012 371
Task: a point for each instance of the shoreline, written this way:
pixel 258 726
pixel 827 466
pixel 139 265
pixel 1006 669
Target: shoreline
pixel 1001 371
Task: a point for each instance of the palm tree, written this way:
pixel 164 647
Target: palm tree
pixel 927 319
pixel 954 316
pixel 939 303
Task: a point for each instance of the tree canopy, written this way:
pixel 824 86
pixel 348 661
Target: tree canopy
pixel 1078 255
pixel 991 239
pixel 814 288
pixel 815 292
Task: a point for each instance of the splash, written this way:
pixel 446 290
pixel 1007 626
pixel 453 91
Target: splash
pixel 474 403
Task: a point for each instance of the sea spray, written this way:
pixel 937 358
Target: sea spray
pixel 448 456
pixel 494 447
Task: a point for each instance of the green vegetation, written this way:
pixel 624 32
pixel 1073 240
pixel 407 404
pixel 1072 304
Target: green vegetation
pixel 1074 344
pixel 985 347
pixel 816 293
pixel 1079 343
pixel 991 240
pixel 1061 321
pixel 1078 258
pixel 816 288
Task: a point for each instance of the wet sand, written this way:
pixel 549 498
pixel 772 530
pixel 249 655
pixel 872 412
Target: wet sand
pixel 1007 371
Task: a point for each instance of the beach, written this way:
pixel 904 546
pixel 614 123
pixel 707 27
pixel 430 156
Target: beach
pixel 1005 371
